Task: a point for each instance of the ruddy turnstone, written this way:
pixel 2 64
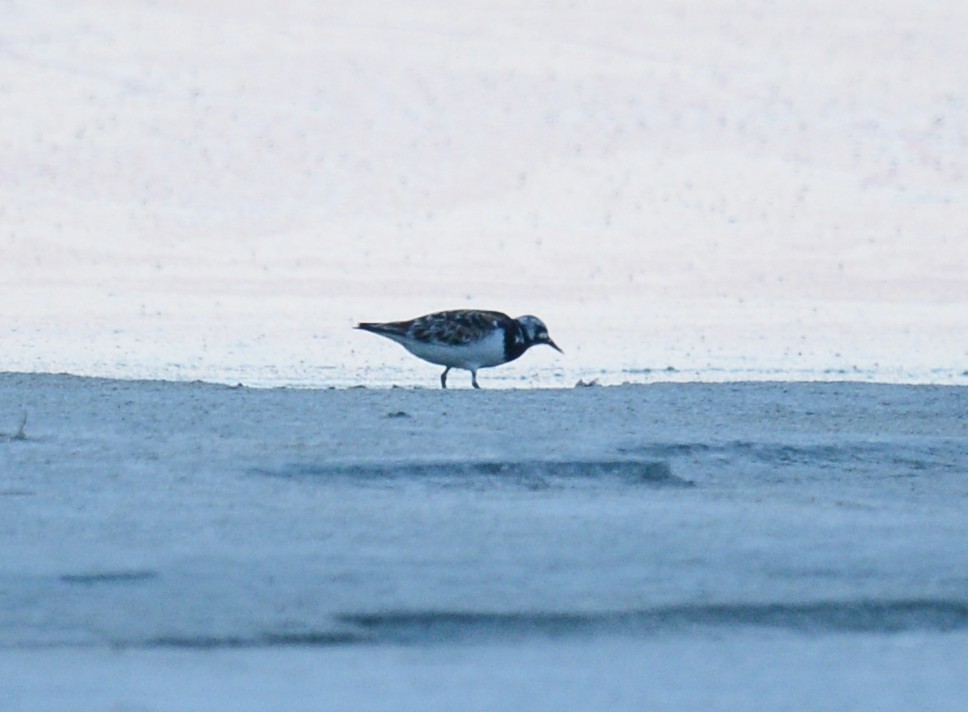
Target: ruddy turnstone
pixel 466 338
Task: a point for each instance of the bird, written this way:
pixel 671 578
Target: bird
pixel 468 339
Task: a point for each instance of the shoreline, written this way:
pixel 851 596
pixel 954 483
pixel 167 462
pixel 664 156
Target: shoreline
pixel 796 378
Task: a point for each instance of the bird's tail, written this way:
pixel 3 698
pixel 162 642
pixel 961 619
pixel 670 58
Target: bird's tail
pixel 386 329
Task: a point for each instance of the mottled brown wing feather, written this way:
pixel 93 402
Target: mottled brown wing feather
pixel 461 326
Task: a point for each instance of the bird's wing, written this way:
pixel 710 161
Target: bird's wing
pixel 457 327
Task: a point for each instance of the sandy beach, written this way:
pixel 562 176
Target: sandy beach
pixel 744 221
pixel 175 545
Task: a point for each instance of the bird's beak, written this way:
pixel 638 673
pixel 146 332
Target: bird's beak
pixel 553 345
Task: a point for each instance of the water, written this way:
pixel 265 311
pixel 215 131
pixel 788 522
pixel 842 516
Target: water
pixel 162 528
pixel 689 197
pixel 727 194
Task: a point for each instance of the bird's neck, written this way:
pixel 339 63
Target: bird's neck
pixel 515 341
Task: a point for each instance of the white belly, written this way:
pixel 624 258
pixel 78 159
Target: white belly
pixel 489 352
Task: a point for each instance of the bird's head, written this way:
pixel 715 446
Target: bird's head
pixel 535 332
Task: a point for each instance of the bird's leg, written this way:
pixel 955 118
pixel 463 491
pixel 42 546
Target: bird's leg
pixel 474 379
pixel 443 378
